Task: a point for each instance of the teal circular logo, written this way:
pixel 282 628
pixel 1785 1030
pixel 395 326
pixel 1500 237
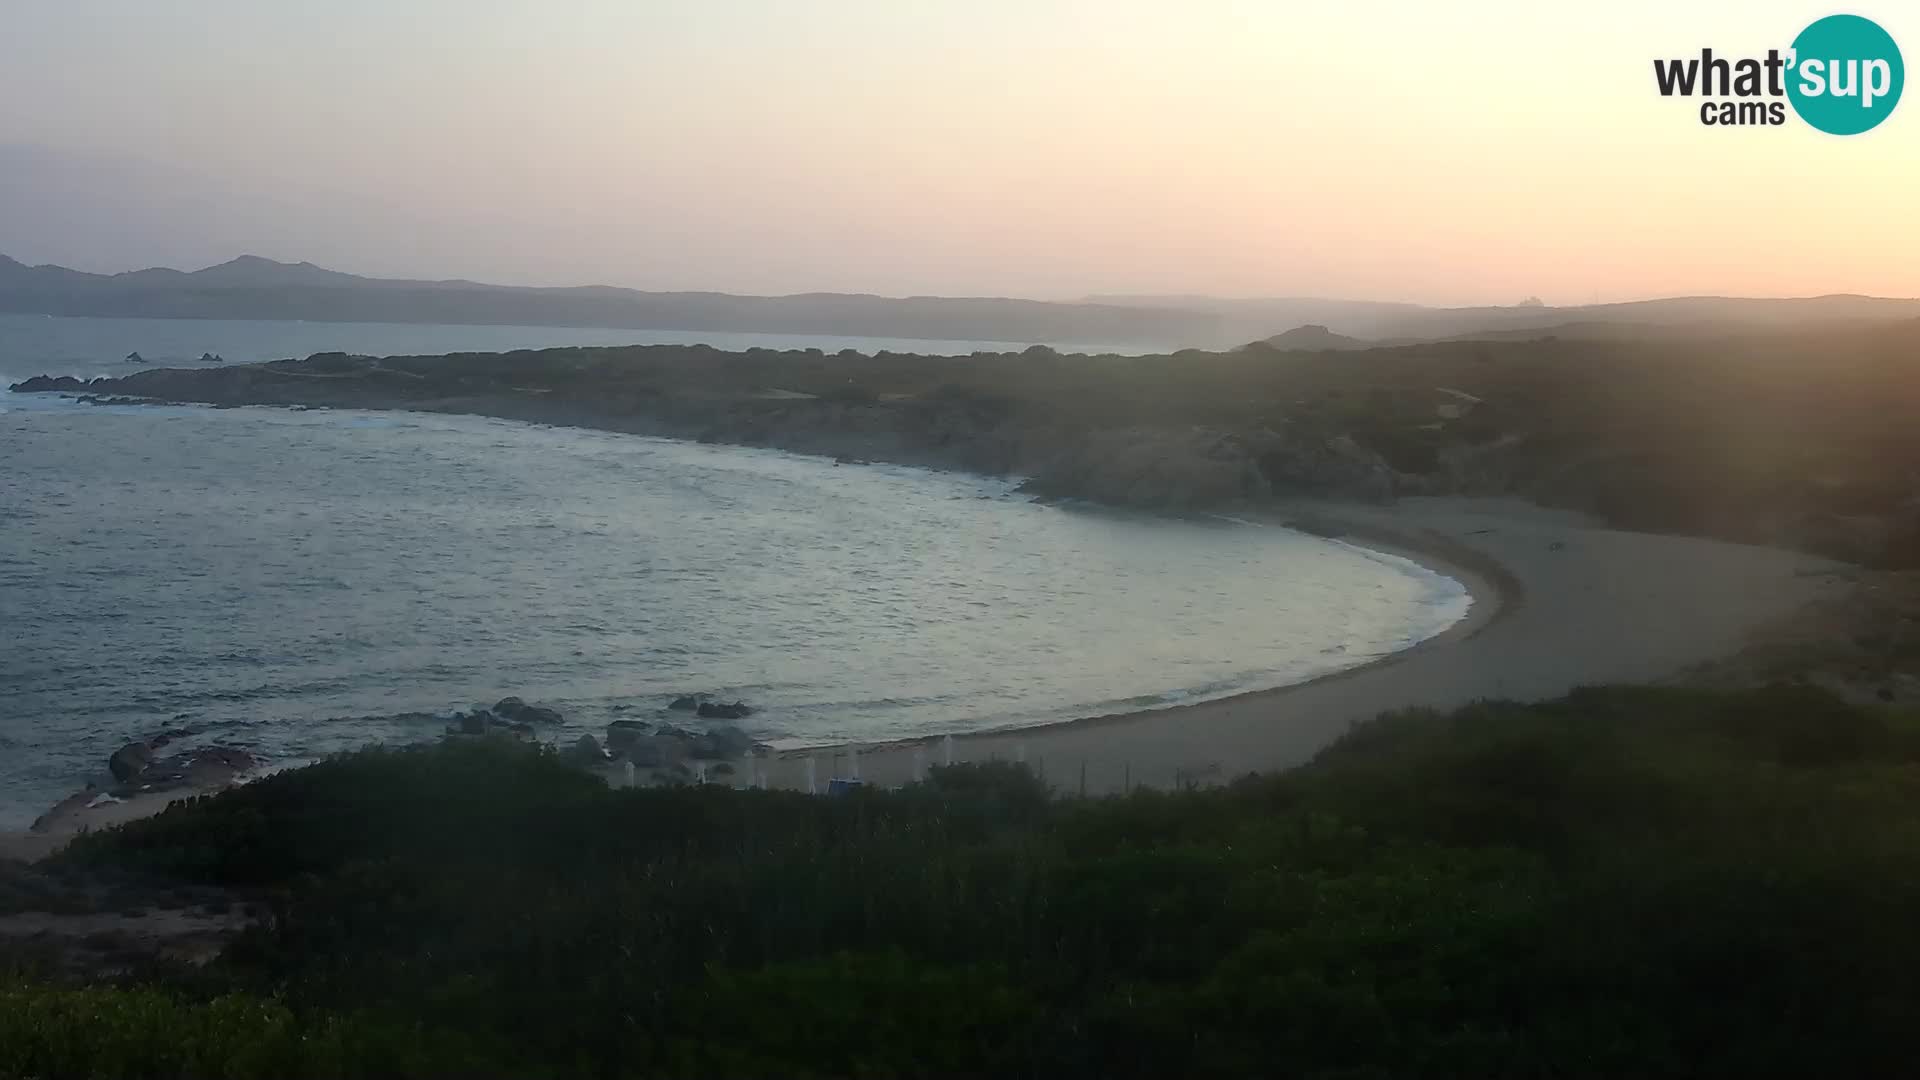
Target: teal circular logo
pixel 1847 74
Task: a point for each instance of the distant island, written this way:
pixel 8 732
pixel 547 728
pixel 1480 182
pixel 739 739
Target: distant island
pixel 251 287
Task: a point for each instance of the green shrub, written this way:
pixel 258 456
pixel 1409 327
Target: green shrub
pixel 1626 881
pixel 129 1034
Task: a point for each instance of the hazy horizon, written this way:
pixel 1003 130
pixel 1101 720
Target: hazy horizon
pixel 1094 298
pixel 1047 150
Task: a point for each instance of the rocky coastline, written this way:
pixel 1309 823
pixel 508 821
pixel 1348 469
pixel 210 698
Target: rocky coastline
pixel 659 752
pixel 145 774
pixel 1669 437
pixel 1142 465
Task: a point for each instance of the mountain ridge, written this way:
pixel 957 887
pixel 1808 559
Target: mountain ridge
pixel 255 287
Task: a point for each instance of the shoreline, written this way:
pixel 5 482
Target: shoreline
pixel 1490 589
pixel 1555 607
pixel 1281 727
pixel 1493 592
pixel 1523 567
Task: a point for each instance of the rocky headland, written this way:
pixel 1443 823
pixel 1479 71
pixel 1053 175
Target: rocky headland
pixel 1800 439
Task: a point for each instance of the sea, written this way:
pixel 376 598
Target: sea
pixel 306 582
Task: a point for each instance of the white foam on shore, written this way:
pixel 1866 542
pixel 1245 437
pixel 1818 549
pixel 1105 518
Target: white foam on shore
pixel 1448 599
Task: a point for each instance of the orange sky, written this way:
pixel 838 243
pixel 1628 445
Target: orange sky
pixel 1460 153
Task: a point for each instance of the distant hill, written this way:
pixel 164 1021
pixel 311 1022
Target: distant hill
pixel 251 287
pixel 1310 338
pixel 1243 320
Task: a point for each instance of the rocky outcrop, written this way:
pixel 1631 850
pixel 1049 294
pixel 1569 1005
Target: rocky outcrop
pixel 622 734
pixel 651 751
pixel 485 724
pixel 1154 469
pixel 584 751
pixel 41 384
pixel 514 710
pixel 627 740
pixel 205 767
pixel 721 743
pixel 1668 436
pixel 703 706
pixel 126 762
pixel 1333 467
pixel 137 768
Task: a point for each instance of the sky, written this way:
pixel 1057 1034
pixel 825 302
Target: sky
pixel 1456 153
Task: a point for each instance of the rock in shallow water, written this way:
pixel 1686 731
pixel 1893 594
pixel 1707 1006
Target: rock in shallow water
pixel 720 744
pixel 585 751
pixel 513 708
pixel 126 762
pixel 624 733
pixel 481 723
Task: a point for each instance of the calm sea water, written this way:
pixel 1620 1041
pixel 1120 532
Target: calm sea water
pixel 303 582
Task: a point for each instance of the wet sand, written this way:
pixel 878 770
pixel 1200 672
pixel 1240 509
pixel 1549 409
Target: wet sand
pixel 73 816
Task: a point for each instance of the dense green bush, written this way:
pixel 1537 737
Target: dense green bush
pixel 130 1034
pixel 1625 881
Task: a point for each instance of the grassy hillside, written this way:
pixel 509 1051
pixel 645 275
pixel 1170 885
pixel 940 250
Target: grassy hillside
pixel 1626 881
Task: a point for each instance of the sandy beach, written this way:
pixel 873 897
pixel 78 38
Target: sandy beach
pixel 75 815
pixel 1558 602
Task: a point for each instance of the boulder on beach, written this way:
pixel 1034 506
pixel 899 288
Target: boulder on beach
pixel 624 733
pixel 645 751
pixel 126 762
pixel 671 745
pixel 721 744
pixel 512 708
pixel 483 723
pixel 207 767
pixel 584 751
pixel 136 768
pixel 715 710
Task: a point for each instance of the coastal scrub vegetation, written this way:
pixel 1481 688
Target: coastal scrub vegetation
pixel 1625 881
